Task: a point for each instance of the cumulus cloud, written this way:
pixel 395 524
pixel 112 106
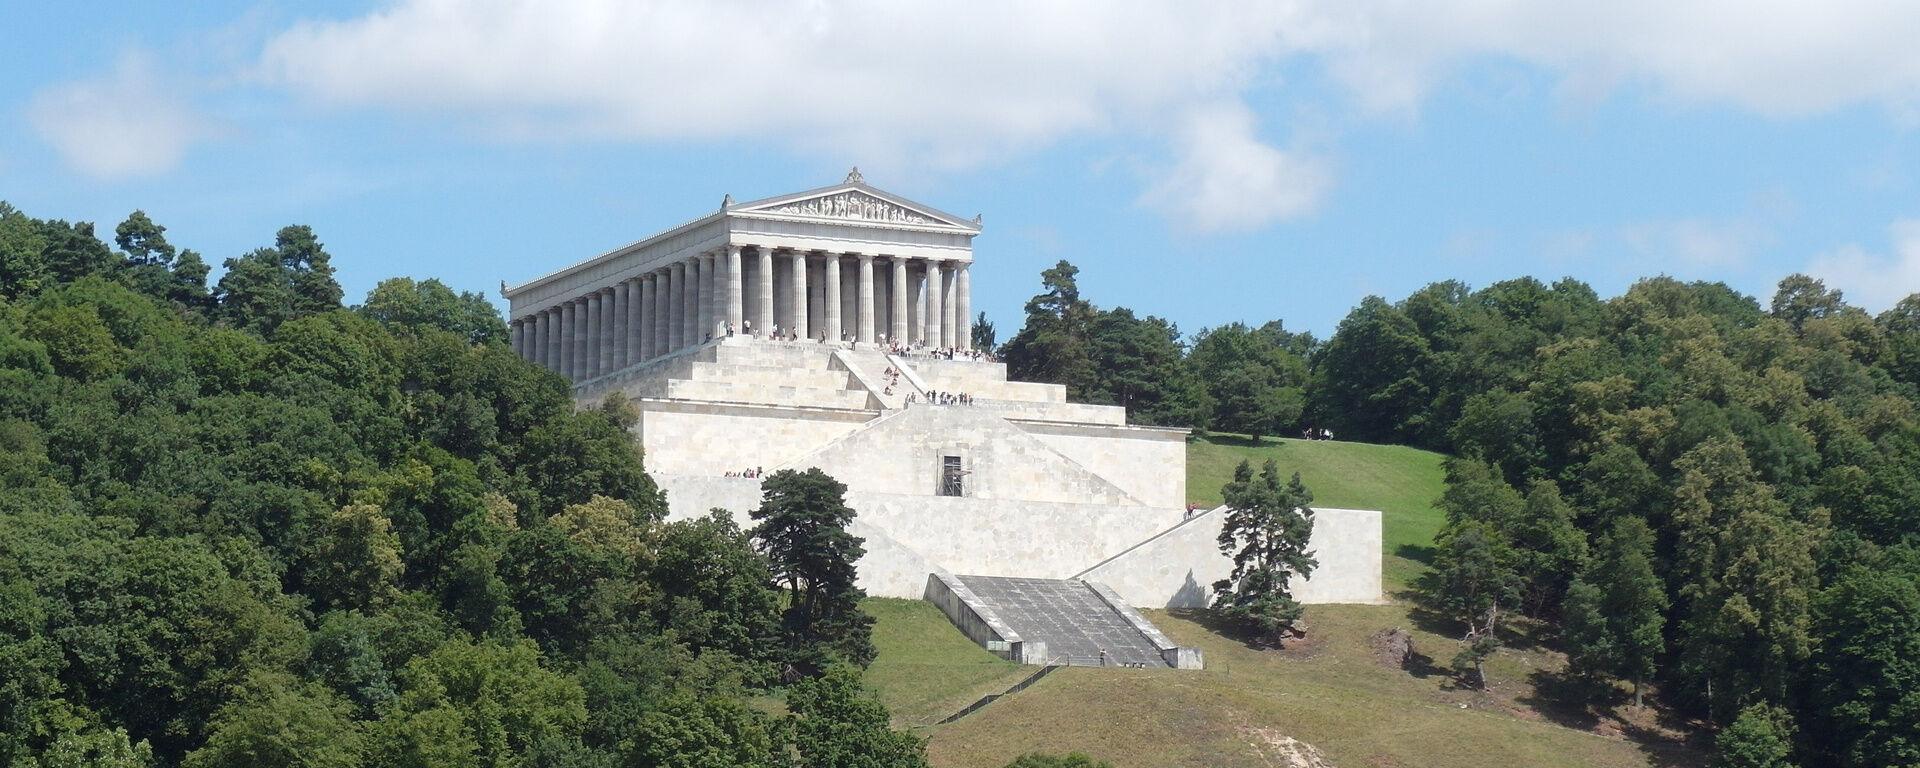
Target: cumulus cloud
pixel 1227 178
pixel 939 85
pixel 1774 58
pixel 1874 282
pixel 124 123
pixel 966 81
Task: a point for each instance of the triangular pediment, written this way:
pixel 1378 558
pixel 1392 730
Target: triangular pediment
pixel 853 202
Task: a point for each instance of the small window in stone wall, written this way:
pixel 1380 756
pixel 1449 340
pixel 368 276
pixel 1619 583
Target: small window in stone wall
pixel 953 478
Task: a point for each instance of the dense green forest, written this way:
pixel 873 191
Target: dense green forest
pixel 244 525
pixel 1678 487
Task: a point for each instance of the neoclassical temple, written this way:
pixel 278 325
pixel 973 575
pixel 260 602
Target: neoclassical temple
pixel 951 468
pixel 846 263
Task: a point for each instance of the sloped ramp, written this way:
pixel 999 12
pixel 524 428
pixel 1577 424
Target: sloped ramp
pixel 1081 624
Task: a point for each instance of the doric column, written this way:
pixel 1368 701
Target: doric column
pixel 830 298
pixel 715 297
pixel 736 301
pixel 949 325
pixel 596 315
pixel 550 343
pixel 617 329
pixel 703 325
pixel 575 318
pixel 690 304
pixel 630 326
pixel 523 336
pixel 797 324
pixel 816 293
pixel 898 330
pixel 562 351
pixel 763 320
pixel 936 329
pixel 863 317
pixel 963 297
pixel 676 306
pixel 603 333
pixel 649 296
pixel 662 317
pixel 561 340
pixel 543 338
pixel 514 338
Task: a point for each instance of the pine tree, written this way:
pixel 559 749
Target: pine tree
pixel 803 533
pixel 1266 531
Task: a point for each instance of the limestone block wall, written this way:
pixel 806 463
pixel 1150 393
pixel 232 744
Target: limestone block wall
pixel 1075 413
pixel 694 495
pixel 802 393
pixel 986 381
pixel 1006 538
pixel 901 453
pixel 1177 568
pixel 704 438
pixel 1150 463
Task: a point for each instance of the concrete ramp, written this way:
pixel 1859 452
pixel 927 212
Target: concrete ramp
pixel 1080 623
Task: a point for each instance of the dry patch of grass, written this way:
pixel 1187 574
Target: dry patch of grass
pixel 1331 692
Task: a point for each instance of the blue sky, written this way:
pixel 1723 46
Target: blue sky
pixel 1205 162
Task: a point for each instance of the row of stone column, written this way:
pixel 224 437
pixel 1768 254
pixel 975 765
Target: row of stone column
pixel 690 301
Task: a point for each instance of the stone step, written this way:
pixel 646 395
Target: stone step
pixel 1078 626
pixel 762 394
pixel 767 375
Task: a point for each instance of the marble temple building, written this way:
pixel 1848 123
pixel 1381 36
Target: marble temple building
pixel 831 328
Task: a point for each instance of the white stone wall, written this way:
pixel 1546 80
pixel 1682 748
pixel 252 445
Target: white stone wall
pixel 691 438
pixel 901 454
pixel 1150 464
pixel 989 536
pixel 1177 568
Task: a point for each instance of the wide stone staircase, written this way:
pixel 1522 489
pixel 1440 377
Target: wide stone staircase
pixel 1079 626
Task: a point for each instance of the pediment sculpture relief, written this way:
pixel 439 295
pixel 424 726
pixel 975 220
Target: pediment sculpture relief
pixel 853 205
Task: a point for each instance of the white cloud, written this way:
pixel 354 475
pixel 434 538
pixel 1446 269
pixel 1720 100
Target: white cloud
pixel 938 85
pixel 1874 282
pixel 124 123
pixel 1226 178
pixel 1697 245
pixel 1775 58
pixel 962 81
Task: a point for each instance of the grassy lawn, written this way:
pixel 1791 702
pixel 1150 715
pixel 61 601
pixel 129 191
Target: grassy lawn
pixel 1330 692
pixel 1401 482
pixel 926 669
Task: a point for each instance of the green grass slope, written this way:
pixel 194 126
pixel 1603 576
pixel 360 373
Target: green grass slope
pixel 1401 482
pixel 926 669
pixel 1330 691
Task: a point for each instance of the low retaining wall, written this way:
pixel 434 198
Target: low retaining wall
pixel 979 623
pixel 1177 568
pixel 1176 656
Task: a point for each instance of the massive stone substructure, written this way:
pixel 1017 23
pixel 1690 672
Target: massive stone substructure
pixel 950 467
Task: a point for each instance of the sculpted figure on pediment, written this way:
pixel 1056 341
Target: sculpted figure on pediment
pixel 852 205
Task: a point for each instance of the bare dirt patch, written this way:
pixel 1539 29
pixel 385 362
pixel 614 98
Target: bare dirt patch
pixel 1393 648
pixel 1279 749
